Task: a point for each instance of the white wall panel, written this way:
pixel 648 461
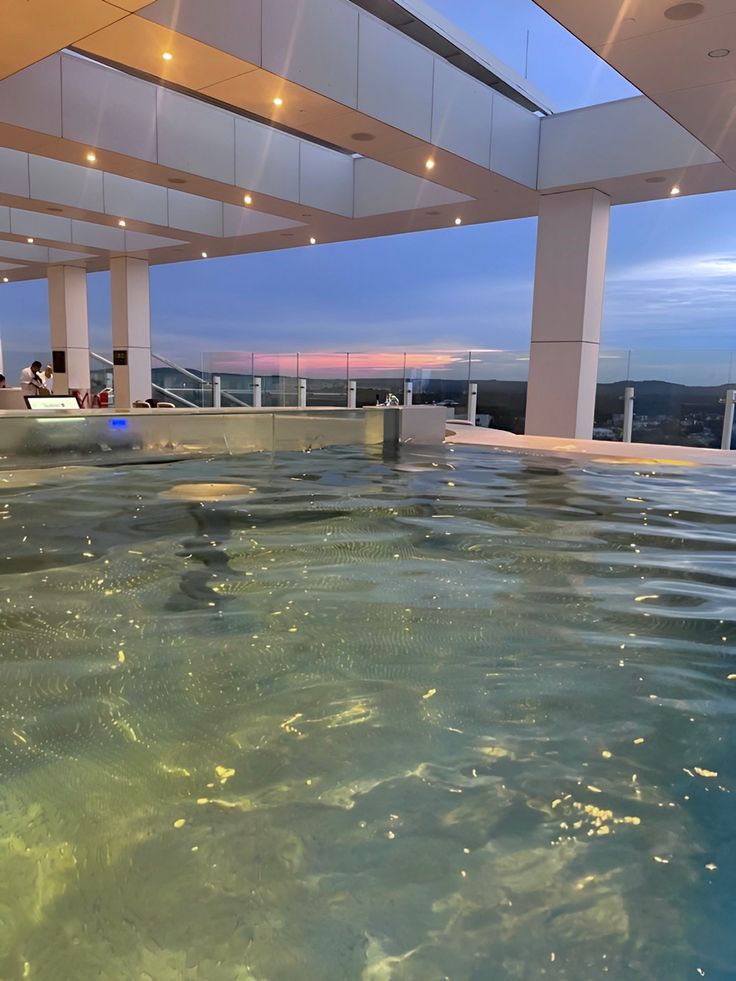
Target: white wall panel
pixel 195 214
pixel 394 79
pixel 380 189
pixel 195 137
pixel 32 98
pixel 65 183
pixel 132 199
pixel 326 180
pixel 613 140
pixel 98 236
pixel 245 221
pixel 462 114
pixel 515 141
pixel 313 43
pixel 4 219
pixel 38 225
pixel 230 25
pixel 266 160
pixel 107 109
pixel 14 173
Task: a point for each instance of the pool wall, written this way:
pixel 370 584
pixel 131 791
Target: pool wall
pixel 32 438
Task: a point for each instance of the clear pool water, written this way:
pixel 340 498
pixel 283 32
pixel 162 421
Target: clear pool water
pixel 462 716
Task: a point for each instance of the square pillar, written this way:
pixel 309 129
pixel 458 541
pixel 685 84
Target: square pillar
pixel 69 329
pixel 131 330
pixel 572 245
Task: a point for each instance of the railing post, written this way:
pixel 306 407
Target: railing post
pixel 628 415
pixel 353 395
pixel 730 402
pixel 408 392
pixel 472 403
pixel 302 393
pixel 216 392
pixel 257 393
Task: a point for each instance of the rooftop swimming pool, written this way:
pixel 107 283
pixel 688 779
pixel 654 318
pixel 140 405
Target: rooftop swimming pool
pixel 350 714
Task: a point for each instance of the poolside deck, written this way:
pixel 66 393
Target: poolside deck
pixel 623 453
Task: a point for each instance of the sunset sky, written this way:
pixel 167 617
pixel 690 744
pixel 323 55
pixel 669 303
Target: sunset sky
pixel 671 273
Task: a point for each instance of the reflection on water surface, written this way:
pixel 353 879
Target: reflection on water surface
pixel 462 715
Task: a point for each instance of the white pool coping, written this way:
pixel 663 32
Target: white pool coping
pixel 623 453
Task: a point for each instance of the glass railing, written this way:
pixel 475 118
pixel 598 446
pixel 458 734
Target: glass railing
pixel 676 397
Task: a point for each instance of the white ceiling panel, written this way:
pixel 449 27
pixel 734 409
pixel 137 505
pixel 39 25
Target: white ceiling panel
pixel 131 199
pixel 65 183
pixel 195 214
pixel 326 180
pixel 107 109
pixel 266 160
pixel 313 43
pixel 14 173
pixel 32 98
pixel 245 221
pixel 38 225
pixel 233 26
pixel 195 137
pixel 98 236
pixel 395 79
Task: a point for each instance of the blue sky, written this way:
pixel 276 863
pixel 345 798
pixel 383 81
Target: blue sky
pixel 671 271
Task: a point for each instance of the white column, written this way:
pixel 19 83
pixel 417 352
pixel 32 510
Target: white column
pixel 572 243
pixel 69 329
pixel 131 330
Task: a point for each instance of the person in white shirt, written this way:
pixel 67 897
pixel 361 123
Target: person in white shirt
pixel 48 378
pixel 30 380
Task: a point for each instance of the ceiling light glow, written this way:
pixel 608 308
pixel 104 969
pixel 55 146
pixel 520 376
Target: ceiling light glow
pixel 278 101
pixel 122 223
pixel 5 279
pixel 675 191
pixel 313 241
pixel 167 56
pixel 91 157
pixel 204 255
pixel 458 221
pixel 30 241
pixel 430 164
pixel 247 199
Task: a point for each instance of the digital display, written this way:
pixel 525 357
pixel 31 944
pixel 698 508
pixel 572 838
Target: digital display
pixel 118 423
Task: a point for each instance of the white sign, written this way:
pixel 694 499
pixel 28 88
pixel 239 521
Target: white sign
pixel 45 403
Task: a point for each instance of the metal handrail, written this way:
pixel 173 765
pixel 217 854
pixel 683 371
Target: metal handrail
pixel 158 388
pixel 201 381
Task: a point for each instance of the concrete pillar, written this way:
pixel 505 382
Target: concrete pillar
pixel 131 330
pixel 69 329
pixel 572 243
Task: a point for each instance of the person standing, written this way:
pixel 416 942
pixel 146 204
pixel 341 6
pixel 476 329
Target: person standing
pixel 48 378
pixel 2 381
pixel 30 380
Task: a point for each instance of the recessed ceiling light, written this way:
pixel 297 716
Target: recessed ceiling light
pixel 122 223
pixel 247 199
pixel 655 180
pixel 429 164
pixel 313 241
pixel 278 101
pixel 167 56
pixel 362 137
pixel 204 255
pixel 56 211
pixel 5 279
pixel 432 214
pixel 91 157
pixel 675 191
pixel 458 221
pixel 287 234
pixel 30 241
pixel 684 11
pixel 719 53
pixel 177 180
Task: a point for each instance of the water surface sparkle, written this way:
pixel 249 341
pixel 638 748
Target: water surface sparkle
pixel 458 715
